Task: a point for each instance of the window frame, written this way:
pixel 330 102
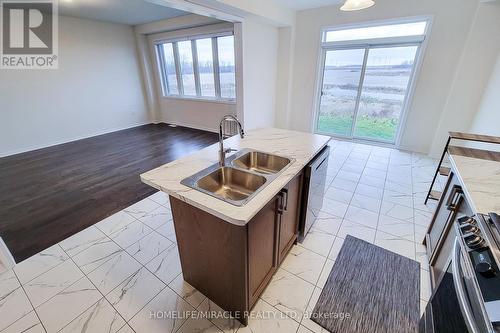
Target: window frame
pixel 157 42
pixel 376 41
pixel 420 40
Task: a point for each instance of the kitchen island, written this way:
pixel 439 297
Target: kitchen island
pixel 230 252
pixel 479 172
pixel 462 244
pixel 472 188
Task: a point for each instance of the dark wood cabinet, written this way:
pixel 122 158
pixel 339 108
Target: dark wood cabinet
pixel 441 215
pixel 289 216
pixel 271 234
pixel 262 243
pixel 231 264
pixel 440 236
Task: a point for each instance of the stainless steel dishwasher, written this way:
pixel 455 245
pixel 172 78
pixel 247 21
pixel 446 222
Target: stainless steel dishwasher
pixel 313 191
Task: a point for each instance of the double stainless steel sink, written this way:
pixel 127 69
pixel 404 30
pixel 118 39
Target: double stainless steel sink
pixel 246 173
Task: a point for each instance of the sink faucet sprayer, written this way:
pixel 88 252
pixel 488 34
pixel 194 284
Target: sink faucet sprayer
pixel 222 151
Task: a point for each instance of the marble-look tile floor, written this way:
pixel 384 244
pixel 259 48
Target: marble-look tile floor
pixel 116 275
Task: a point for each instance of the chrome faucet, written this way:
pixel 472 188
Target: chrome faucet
pixel 222 151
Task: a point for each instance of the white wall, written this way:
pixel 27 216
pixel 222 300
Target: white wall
pixel 487 120
pixel 97 89
pixel 200 114
pixel 270 12
pixel 471 78
pixel 285 74
pixel 260 63
pixel 256 56
pixel 450 28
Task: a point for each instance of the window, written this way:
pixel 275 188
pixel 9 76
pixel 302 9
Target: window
pixel 198 67
pixel 169 68
pixel 381 31
pixel 226 66
pixel 186 68
pixel 365 79
pixel 206 66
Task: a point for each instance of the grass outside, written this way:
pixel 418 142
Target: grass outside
pixel 383 129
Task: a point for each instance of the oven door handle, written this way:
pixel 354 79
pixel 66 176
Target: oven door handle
pixel 460 288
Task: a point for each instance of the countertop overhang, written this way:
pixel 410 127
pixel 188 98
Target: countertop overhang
pixel 300 146
pixel 479 172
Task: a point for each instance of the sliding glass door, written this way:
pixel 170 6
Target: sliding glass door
pixel 340 89
pixel 364 91
pixel 383 93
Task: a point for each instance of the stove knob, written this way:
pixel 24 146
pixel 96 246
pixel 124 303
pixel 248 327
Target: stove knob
pixel 466 219
pixel 474 241
pixel 485 269
pixel 469 227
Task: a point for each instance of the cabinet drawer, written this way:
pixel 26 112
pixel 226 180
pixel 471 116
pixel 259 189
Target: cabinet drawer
pixel 442 215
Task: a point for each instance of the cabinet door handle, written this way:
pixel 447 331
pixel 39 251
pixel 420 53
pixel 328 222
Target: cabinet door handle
pixel 285 198
pixel 451 203
pixel 451 196
pixel 456 206
pixel 280 203
pixel 276 238
pixel 283 203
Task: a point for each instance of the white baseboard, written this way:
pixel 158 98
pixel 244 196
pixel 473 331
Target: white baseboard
pixel 68 140
pixel 180 123
pixel 6 259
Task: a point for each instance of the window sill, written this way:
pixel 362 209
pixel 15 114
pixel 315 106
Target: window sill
pixel 199 99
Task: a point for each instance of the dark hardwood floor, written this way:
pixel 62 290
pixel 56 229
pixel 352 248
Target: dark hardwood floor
pixel 49 194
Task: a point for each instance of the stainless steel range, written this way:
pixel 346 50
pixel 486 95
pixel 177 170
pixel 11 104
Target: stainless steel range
pixel 467 296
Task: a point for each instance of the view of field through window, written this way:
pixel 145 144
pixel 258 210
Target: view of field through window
pixel 366 106
pixel 205 57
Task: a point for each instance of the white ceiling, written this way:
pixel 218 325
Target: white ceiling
pixel 130 12
pixel 306 4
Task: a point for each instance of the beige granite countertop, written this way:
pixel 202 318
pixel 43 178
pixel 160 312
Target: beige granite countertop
pixel 479 172
pixel 296 145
